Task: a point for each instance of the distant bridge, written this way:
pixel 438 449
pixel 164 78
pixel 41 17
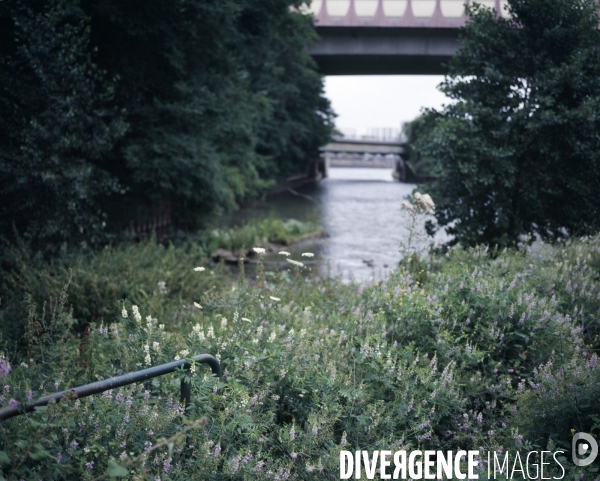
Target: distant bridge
pixel 373 37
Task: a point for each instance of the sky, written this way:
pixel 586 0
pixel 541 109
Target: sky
pixel 369 102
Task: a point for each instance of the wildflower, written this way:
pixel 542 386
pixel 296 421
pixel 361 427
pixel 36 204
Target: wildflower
pixel 276 299
pixel 28 396
pixel 167 465
pixel 245 319
pixel 197 305
pixel 73 445
pixel 58 458
pixel 295 263
pixel 211 332
pixel 258 250
pixel 184 353
pixel 271 337
pixel 293 455
pixel 199 269
pixel 13 403
pixel 223 323
pixel 156 346
pixel 343 442
pixel 314 431
pixel 123 455
pixel 90 465
pixel 124 313
pixel 4 367
pixel 162 287
pixel 136 314
pixel 307 254
pixel 148 359
pixel 177 358
pixel 284 253
pixel 292 434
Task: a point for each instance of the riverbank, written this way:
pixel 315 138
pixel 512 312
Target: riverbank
pixel 482 352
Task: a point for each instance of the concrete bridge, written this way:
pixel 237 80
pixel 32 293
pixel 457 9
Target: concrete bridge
pixel 379 37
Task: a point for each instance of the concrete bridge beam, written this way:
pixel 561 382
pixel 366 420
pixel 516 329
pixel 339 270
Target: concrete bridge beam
pixel 384 51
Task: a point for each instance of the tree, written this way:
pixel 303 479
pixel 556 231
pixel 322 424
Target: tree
pixel 221 95
pixel 518 149
pixel 57 124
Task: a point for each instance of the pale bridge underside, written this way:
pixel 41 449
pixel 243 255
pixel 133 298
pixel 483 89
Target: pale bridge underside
pixel 375 37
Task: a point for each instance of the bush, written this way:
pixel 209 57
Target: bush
pixel 313 366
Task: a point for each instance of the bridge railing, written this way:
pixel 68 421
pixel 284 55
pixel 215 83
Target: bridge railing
pixel 396 13
pixel 119 381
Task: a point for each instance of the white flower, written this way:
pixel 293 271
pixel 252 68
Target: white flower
pixel 223 323
pixel 196 328
pixel 284 253
pixel 302 332
pixel 307 254
pixel 147 348
pixel 295 263
pixel 199 269
pixel 124 313
pixel 184 352
pixel 259 250
pixel 156 346
pixel 136 314
pixel 161 326
pixel 177 358
pixel 271 337
pixel 211 332
pixel 245 319
pixel 276 299
pixel 193 368
pixel 148 360
pixel 254 341
pixel 197 305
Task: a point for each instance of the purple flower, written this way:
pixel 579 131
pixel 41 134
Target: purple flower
pixel 58 458
pixel 90 465
pixel 314 431
pixel 217 451
pixel 292 434
pixel 28 396
pixel 167 465
pixel 73 445
pixel 4 367
pixel 293 455
pixel 13 403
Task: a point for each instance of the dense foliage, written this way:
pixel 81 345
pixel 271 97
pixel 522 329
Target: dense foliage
pixel 518 148
pixel 487 352
pixel 190 106
pixel 57 125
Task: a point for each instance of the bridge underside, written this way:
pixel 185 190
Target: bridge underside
pixel 384 51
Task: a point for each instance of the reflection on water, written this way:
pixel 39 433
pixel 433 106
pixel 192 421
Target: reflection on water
pixel 359 208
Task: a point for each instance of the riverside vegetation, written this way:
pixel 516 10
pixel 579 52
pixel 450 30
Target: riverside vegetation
pixel 477 349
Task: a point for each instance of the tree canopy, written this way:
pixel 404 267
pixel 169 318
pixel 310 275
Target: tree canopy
pixel 517 151
pixel 200 104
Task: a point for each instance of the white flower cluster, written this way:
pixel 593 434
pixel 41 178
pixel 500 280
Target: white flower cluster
pixel 197 330
pixel 259 250
pixel 422 204
pixel 136 314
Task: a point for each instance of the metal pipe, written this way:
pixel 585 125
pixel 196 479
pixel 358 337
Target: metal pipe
pixel 125 379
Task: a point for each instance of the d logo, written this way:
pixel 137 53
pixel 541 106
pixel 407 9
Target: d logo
pixel 588 441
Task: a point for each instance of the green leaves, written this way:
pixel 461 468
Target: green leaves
pixel 117 471
pixel 517 150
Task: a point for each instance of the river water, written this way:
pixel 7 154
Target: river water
pixel 359 209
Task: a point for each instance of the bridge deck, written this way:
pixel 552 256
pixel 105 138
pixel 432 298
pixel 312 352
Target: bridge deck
pixel 360 37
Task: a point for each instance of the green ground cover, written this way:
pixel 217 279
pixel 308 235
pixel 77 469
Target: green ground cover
pixel 481 350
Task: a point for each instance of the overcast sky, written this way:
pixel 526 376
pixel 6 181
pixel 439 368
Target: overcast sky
pixel 376 101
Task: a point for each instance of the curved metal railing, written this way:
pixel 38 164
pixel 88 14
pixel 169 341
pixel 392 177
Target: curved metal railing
pixel 125 379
